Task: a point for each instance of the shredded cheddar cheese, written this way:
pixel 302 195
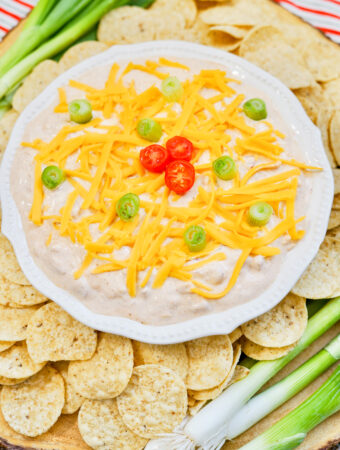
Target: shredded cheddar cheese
pixel 105 166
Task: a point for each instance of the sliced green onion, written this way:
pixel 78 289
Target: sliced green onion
pixel 127 207
pixel 52 176
pixel 263 404
pixel 80 111
pixel 172 89
pixel 255 109
pixel 195 238
pixel 314 410
pixel 259 214
pixel 209 425
pixel 225 168
pixel 149 129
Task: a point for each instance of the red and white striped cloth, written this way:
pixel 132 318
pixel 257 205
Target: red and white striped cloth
pixel 11 12
pixel 322 14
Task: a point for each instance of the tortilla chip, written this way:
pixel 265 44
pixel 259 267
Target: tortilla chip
pixel 186 8
pixel 42 75
pixel 130 24
pixel 336 202
pixel 334 219
pixel 242 13
pixel 196 407
pixel 210 359
pixel 11 381
pixel 265 46
pixel 4 345
pixel 53 335
pixel 172 356
pixel 240 373
pixel 107 373
pixel 311 98
pixel 323 122
pixel 9 267
pixel 334 136
pixel 322 58
pixel 73 400
pixel 236 32
pixel 336 176
pixel 261 353
pixel 155 401
pixel 321 278
pixel 7 123
pixel 79 52
pixel 32 407
pixel 235 335
pixel 16 362
pixel 13 322
pixel 102 427
pixel 332 91
pixel 211 394
pixel 281 326
pixel 18 296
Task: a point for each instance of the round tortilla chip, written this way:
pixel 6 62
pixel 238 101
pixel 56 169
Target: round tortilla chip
pixel 53 335
pixel 265 46
pixel 334 219
pixel 323 123
pixel 73 400
pixel 210 394
pixel 107 373
pixel 235 335
pixel 210 359
pixel 186 8
pixel 196 406
pixel 7 123
pixel 242 13
pixel 281 326
pixel 321 278
pixel 234 31
pixel 11 381
pixel 127 25
pixel 14 322
pixel 16 295
pixel 9 267
pixel 311 98
pixel 4 345
pixel 172 356
pixel 32 407
pixel 261 353
pixel 35 83
pixel 239 373
pixel 102 427
pixel 79 52
pixel 332 91
pixel 334 135
pixel 321 57
pixel 155 401
pixel 16 362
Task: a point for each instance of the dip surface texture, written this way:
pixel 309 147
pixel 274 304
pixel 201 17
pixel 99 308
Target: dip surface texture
pixel 60 248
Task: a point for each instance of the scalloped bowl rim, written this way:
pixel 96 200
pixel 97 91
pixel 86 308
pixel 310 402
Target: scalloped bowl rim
pixel 221 323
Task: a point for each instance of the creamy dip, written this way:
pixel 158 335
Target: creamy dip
pixel 107 293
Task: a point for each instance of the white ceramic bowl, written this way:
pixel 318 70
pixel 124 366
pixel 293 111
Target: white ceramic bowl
pixel 307 135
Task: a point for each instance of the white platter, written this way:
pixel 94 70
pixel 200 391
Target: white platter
pixel 308 137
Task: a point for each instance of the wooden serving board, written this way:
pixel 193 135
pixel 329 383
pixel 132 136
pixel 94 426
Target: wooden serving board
pixel 64 435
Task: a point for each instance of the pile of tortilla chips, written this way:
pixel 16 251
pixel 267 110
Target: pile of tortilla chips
pixel 127 392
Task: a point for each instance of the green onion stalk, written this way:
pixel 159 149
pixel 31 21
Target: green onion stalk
pixel 208 427
pixel 290 431
pixel 65 21
pixel 264 403
pixel 44 21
